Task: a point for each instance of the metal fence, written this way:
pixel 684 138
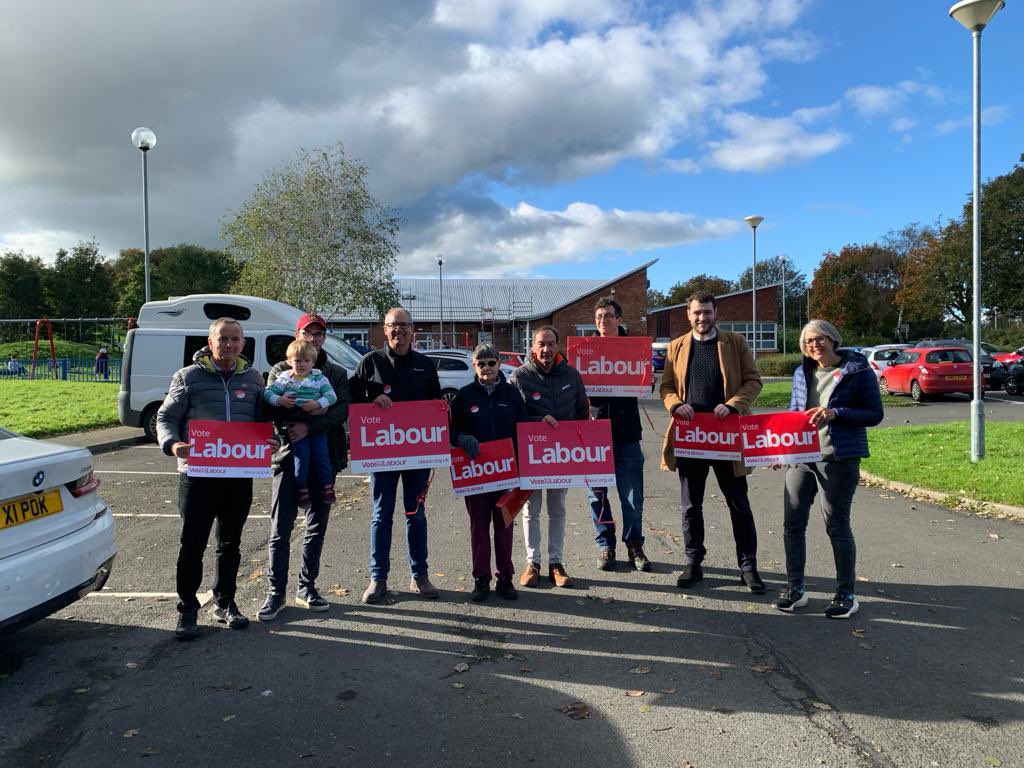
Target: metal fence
pixel 65 369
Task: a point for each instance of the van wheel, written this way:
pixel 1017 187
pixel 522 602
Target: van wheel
pixel 449 395
pixel 149 421
pixel 916 392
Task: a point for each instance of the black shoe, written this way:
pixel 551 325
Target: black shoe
pixel 375 592
pixel 842 607
pixel 637 558
pixel 753 581
pixel 505 589
pixel 790 600
pixel 690 575
pixel 188 627
pixel 271 607
pixel 311 599
pixel 231 616
pixel 606 559
pixel 481 589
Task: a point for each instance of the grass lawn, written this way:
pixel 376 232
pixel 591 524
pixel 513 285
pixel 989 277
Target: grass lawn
pixel 42 408
pixel 776 395
pixel 938 457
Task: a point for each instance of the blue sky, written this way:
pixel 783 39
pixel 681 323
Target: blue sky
pixel 555 138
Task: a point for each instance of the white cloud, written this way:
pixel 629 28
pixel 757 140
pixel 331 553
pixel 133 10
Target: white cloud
pixel 765 143
pixel 902 124
pixel 517 240
pixel 989 116
pixel 43 243
pixel 873 100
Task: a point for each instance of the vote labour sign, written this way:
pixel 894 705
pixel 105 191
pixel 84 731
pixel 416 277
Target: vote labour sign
pixel 229 449
pixel 705 436
pixel 779 438
pixel 493 469
pixel 408 435
pixel 575 453
pixel 616 366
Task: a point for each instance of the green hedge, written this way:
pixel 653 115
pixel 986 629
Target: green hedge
pixel 778 365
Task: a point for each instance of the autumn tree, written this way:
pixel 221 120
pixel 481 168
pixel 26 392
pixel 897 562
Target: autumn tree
pixel 313 236
pixel 856 289
pixel 680 292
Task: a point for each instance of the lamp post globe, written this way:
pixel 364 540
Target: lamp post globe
pixel 753 221
pixel 143 138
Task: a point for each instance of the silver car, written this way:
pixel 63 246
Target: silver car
pixel 881 357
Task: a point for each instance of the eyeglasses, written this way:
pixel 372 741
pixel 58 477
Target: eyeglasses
pixel 398 325
pixel 314 334
pixel 817 341
pixel 485 363
pixel 602 318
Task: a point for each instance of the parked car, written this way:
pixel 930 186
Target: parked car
pixel 880 357
pixel 922 372
pixel 658 351
pixel 1014 384
pixel 56 534
pixel 455 369
pixel 515 359
pixel 1004 357
pixel 994 370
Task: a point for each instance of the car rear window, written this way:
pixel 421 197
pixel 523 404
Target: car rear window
pixel 948 356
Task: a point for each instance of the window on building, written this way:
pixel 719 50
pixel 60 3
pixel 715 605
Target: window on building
pixel 767 340
pixel 586 330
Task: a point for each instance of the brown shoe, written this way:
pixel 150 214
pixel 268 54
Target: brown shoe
pixel 422 587
pixel 530 576
pixel 375 592
pixel 556 572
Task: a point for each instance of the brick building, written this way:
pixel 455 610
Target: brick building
pixel 734 314
pixel 503 312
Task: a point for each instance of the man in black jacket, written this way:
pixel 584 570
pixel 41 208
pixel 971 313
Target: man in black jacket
pixel 397 373
pixel 553 392
pixel 283 505
pixel 624 414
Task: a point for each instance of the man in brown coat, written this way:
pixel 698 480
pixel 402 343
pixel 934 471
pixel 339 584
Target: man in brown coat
pixel 711 371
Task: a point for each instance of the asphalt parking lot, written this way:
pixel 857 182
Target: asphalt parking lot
pixel 625 669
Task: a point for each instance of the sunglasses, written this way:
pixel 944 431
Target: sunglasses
pixel 487 363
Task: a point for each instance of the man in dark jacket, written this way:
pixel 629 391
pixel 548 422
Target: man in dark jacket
pixel 624 414
pixel 397 373
pixel 219 386
pixel 295 425
pixel 553 392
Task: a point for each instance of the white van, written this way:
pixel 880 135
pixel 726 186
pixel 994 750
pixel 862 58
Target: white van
pixel 170 332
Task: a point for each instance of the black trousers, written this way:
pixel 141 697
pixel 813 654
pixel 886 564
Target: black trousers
pixel 693 476
pixel 203 501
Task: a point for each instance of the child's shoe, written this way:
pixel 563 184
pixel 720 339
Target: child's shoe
pixel 328 493
pixel 302 497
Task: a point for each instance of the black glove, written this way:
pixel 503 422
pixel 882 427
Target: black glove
pixel 470 445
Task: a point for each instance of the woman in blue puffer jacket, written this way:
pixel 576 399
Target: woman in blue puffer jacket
pixel 839 394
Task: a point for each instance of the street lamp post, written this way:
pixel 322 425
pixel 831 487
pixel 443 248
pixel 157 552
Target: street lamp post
pixel 754 221
pixel 975 15
pixel 440 300
pixel 144 140
pixel 783 305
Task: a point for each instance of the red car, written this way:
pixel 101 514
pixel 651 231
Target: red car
pixel 929 371
pixel 1008 357
pixel 513 358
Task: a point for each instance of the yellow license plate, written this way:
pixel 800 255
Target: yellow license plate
pixel 956 378
pixel 28 508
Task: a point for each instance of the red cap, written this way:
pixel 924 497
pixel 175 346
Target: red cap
pixel 307 320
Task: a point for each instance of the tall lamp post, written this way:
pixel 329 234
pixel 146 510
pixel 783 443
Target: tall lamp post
pixel 783 305
pixel 440 299
pixel 975 15
pixel 754 221
pixel 144 140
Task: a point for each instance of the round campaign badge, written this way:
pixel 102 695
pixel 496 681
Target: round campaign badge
pixel 536 395
pixel 474 409
pixel 387 389
pixel 240 394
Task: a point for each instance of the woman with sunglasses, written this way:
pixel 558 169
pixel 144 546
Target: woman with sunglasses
pixel 838 392
pixel 487 409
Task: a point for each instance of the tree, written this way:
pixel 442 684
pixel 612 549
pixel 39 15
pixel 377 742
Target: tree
pixel 771 272
pixel 81 284
pixel 22 286
pixel 129 273
pixel 313 236
pixel 936 277
pixel 1002 241
pixel 680 292
pixel 856 290
pixel 175 271
pixel 656 298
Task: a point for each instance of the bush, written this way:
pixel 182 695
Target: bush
pixel 778 365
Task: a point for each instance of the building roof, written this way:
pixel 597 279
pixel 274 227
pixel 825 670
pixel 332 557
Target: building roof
pixel 719 296
pixel 465 300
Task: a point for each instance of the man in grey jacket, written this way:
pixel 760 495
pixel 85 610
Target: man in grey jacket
pixel 219 386
pixel 553 391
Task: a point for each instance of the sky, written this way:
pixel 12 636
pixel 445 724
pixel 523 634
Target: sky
pixel 541 138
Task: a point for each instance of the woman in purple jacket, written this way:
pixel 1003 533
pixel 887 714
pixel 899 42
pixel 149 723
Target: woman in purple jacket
pixel 839 394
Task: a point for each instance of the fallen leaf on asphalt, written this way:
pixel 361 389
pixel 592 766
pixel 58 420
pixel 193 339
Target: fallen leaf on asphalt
pixel 463 667
pixel 81 690
pixel 634 694
pixel 866 646
pixel 762 669
pixel 645 709
pixel 668 690
pixel 639 670
pixel 517 716
pixel 340 591
pixel 716 674
pixel 525 670
pixel 458 685
pixel 994 761
pixel 687 764
pixel 132 665
pixel 255 575
pixel 862 578
pixel 131 732
pixel 580 602
pixel 858 633
pixel 440 575
pixel 821 705
pixel 227 717
pixel 607 600
pixel 266 693
pixel 993 536
pixel 577 710
pixel 149 752
pixel 897 565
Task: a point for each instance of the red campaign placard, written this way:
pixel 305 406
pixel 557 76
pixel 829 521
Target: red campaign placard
pixel 229 449
pixel 616 366
pixel 705 436
pixel 778 438
pixel 493 469
pixel 408 435
pixel 575 453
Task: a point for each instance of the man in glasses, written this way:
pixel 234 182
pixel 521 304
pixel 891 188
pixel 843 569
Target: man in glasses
pixel 283 504
pixel 397 373
pixel 624 414
pixel 711 371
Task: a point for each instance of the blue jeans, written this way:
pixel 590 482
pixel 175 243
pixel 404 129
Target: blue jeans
pixel 384 489
pixel 629 480
pixel 311 450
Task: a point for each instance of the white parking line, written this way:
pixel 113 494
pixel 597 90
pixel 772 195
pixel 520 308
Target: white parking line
pixel 1002 400
pixel 204 598
pixel 163 514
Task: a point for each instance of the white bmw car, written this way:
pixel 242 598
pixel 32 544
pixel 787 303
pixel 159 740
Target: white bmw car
pixel 56 534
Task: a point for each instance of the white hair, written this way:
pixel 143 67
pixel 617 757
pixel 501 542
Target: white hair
pixel 821 328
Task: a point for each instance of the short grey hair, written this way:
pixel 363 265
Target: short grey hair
pixel 486 352
pixel 224 321
pixel 821 328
